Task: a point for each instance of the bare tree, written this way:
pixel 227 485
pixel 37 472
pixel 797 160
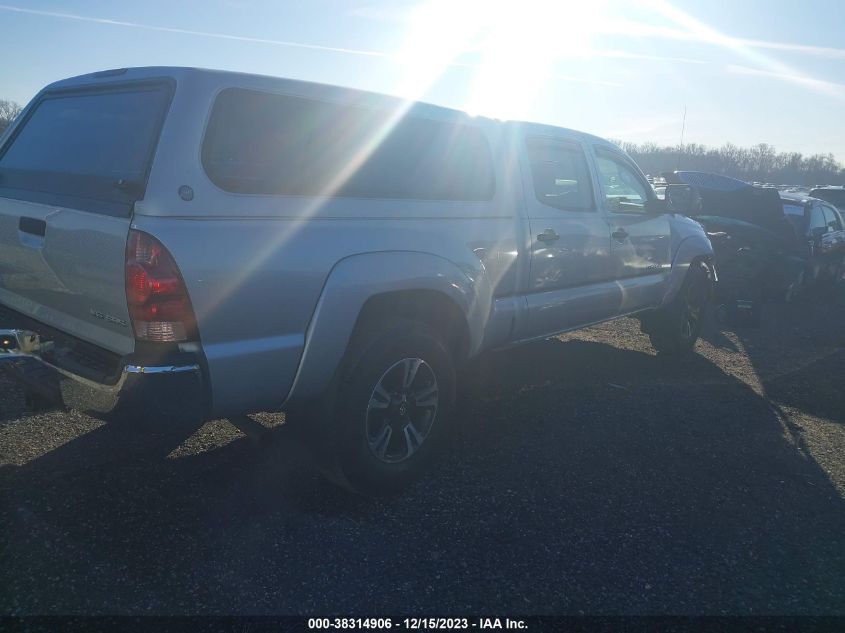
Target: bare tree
pixel 761 163
pixel 8 111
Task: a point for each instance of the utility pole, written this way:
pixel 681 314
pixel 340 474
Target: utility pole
pixel 681 146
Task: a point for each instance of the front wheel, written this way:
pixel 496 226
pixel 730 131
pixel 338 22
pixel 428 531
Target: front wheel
pixel 392 411
pixel 675 328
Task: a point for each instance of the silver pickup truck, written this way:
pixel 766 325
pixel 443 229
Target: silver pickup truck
pixel 206 244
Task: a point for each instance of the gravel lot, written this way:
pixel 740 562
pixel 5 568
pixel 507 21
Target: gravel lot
pixel 586 476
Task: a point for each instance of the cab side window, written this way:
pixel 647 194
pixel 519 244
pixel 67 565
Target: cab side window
pixel 624 189
pixel 560 174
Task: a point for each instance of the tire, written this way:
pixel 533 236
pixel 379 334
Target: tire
pixel 391 411
pixel 675 328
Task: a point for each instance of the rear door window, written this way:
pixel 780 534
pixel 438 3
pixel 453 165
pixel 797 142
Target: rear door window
pixel 560 174
pixel 260 143
pixel 82 148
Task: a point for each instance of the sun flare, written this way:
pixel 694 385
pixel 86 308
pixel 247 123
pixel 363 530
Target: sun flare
pixel 513 48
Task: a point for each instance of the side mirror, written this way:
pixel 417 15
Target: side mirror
pixel 682 199
pixel 818 232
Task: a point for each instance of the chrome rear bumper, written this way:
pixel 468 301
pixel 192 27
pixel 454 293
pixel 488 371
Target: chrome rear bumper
pixel 146 390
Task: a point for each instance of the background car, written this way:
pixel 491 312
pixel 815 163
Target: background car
pixel 768 244
pixel 833 195
pixel 820 226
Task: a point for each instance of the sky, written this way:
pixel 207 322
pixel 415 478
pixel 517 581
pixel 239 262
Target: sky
pixel 745 71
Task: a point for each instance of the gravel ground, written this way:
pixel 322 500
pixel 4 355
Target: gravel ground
pixel 586 476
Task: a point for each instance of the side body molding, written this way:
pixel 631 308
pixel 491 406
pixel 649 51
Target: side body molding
pixel 356 279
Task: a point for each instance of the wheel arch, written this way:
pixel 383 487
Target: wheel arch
pixel 363 289
pixel 433 307
pixel 694 248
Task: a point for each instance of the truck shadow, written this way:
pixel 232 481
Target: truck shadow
pixel 14 402
pixel 582 476
pixel 805 368
pixel 816 389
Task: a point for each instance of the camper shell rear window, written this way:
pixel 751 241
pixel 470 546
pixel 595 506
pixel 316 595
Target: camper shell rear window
pixel 87 148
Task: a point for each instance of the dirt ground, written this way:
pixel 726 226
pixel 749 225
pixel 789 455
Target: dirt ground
pixel 586 475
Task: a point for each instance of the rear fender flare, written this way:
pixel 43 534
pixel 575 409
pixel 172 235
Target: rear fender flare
pixel 356 279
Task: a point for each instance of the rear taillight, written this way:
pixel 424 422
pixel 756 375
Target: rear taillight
pixel 158 299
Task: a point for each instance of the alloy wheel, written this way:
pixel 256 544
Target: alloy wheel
pixel 401 410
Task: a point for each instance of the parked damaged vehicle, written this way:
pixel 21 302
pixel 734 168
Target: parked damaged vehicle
pixel 820 227
pixel 833 195
pixel 767 245
pixel 180 245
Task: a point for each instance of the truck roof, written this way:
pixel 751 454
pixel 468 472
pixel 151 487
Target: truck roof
pixel 328 91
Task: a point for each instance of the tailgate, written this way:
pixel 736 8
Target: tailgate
pixel 70 173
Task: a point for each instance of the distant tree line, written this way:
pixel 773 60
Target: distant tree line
pixel 8 111
pixel 760 163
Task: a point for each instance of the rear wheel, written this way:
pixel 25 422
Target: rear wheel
pixel 674 329
pixel 391 412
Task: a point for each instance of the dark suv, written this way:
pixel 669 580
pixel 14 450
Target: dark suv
pixel 833 195
pixel 767 244
pixel 819 224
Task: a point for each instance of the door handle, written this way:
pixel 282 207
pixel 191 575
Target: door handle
pixel 549 235
pixel 619 235
pixel 33 226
